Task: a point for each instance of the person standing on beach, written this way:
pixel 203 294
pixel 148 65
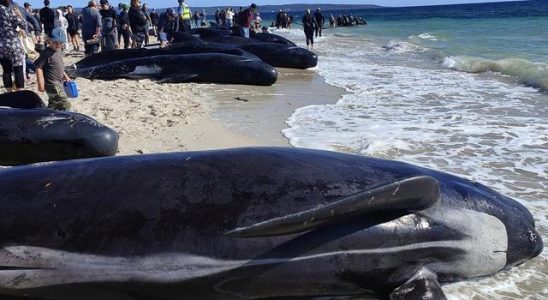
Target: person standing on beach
pixel 91 28
pixel 229 17
pixel 185 15
pixel 155 19
pixel 34 29
pixel 148 25
pixel 124 29
pixel 12 55
pixel 109 27
pixel 320 21
pixel 61 22
pixel 309 25
pixel 246 19
pixel 137 22
pixel 50 71
pixel 47 18
pixel 73 27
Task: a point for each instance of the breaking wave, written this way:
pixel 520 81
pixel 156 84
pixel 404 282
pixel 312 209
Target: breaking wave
pixel 527 72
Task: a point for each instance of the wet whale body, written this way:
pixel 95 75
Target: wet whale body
pixel 251 223
pixel 271 38
pixel 30 135
pixel 21 99
pixel 194 46
pixel 274 53
pixel 201 67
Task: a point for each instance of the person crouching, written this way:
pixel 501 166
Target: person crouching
pixel 50 71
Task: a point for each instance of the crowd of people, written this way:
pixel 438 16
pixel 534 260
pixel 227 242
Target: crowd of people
pixel 33 40
pixel 346 20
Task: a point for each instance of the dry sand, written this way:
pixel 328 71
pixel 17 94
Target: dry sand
pixel 152 117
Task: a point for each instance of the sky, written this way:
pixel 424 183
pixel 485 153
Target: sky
pixel 206 3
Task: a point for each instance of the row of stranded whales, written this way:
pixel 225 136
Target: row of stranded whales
pixel 251 223
pixel 222 58
pixel 195 46
pixel 31 133
pixel 178 68
pixel 274 51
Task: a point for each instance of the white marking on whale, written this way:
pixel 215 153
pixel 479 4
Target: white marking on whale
pixel 485 253
pixel 146 70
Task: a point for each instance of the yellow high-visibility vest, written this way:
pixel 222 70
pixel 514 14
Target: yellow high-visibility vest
pixel 185 12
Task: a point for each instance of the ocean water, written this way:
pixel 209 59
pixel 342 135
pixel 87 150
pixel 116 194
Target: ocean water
pixel 461 88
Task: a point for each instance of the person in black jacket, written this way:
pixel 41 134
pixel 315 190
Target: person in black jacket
pixel 138 23
pixel 309 25
pixel 109 27
pixel 47 17
pixel 73 27
pixel 123 27
pixel 167 26
pixel 320 21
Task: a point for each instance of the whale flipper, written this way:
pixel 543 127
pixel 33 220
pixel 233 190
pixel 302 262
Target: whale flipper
pixel 423 285
pixel 407 195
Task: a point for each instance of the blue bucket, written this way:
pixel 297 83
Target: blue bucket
pixel 71 89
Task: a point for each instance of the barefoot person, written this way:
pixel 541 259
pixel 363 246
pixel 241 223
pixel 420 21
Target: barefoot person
pixel 309 26
pixel 73 27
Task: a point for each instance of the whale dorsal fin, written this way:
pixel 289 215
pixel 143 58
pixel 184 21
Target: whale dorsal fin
pixel 408 195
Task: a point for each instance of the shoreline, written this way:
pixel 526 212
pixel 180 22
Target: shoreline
pixel 153 118
pixel 260 113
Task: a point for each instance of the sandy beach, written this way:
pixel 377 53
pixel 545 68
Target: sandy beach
pixel 152 117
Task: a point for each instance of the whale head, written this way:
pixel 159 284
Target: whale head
pixel 524 242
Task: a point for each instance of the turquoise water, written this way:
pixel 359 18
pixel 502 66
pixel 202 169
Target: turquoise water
pixel 459 89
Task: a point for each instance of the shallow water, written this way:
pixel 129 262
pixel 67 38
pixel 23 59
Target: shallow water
pixel 466 95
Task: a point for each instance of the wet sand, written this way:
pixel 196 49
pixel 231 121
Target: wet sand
pixel 152 117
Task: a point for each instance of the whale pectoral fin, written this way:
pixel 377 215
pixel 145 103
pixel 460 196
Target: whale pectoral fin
pixel 405 196
pixel 179 78
pixel 423 285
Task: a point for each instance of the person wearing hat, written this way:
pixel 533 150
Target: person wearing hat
pixel 123 25
pixel 50 71
pixel 33 24
pixel 109 27
pixel 246 18
pixel 167 26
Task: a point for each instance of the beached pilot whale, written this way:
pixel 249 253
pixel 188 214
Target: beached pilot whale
pixel 250 223
pixel 29 135
pixel 192 46
pixel 21 99
pixel 200 67
pixel 273 53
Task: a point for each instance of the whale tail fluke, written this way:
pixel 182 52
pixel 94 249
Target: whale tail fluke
pixel 404 196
